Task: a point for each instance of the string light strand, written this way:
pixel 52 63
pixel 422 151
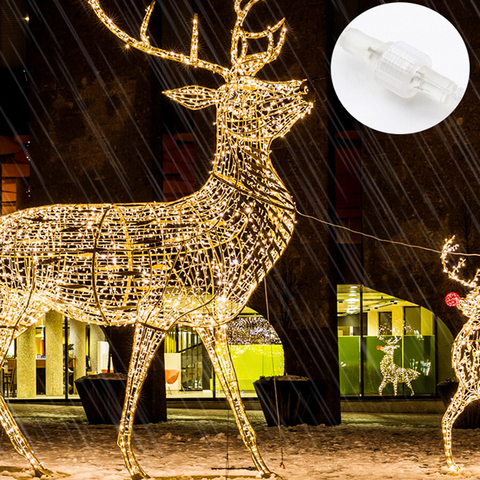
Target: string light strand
pixel 384 240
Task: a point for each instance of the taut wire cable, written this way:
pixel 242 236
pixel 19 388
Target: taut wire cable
pixel 384 240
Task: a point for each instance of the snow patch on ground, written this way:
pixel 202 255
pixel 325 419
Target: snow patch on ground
pixel 199 444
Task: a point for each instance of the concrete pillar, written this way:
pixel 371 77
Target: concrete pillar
pixel 78 338
pixel 26 365
pixel 54 376
pixel 96 335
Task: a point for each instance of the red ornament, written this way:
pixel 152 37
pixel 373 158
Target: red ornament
pixel 452 299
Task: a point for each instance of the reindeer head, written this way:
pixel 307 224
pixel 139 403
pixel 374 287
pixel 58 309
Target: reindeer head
pixel 391 344
pixel 248 108
pixel 470 304
pixel 387 349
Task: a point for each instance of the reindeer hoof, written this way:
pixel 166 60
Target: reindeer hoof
pixel 140 476
pixel 42 472
pixel 453 467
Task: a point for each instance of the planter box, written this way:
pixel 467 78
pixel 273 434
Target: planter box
pixel 300 400
pixel 470 417
pixel 102 398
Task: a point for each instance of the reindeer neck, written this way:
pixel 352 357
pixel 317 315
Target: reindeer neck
pixel 387 360
pixel 247 166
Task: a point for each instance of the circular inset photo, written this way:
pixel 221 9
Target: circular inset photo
pixel 400 68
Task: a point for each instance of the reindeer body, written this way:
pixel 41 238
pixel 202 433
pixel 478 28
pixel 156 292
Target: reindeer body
pixel 71 257
pixel 394 374
pixel 195 261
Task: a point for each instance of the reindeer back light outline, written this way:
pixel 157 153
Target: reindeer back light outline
pixel 195 261
pixel 465 349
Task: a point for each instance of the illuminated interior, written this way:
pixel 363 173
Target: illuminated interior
pixel 369 320
pixel 255 348
pixel 424 344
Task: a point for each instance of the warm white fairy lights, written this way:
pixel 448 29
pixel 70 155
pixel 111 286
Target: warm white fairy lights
pixel 195 261
pixel 252 331
pixel 465 349
pixel 391 372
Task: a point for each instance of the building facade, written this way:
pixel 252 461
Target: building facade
pixel 101 131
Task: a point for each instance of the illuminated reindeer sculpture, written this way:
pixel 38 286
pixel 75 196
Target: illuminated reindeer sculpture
pixel 391 372
pixel 465 350
pixel 194 262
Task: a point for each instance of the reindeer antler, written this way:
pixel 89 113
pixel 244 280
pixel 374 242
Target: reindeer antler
pixel 249 64
pixel 392 341
pixel 449 248
pixel 242 62
pixel 144 44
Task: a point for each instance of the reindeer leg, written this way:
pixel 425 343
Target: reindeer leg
pixel 215 341
pixel 20 443
pixel 382 386
pixel 409 385
pixel 459 401
pixel 146 342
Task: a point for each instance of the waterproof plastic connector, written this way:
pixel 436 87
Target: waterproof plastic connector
pixel 400 67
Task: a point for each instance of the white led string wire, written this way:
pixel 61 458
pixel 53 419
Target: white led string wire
pixel 383 240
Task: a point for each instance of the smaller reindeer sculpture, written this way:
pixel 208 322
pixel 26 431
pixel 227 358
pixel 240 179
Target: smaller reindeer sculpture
pixel 465 349
pixel 393 373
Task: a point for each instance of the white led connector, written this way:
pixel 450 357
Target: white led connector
pixel 401 68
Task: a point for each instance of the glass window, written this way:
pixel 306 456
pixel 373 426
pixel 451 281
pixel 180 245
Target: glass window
pixel 378 335
pixel 385 323
pixel 256 351
pixel 185 353
pixel 349 328
pixel 419 348
pixel 413 320
pixel 255 348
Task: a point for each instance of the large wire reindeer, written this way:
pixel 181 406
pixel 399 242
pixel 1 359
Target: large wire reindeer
pixel 194 261
pixel 465 350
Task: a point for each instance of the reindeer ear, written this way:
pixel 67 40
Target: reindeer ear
pixel 193 96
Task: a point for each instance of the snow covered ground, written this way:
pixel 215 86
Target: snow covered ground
pixel 194 444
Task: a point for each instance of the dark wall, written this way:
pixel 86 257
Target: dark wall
pixel 14 110
pixel 96 129
pixel 301 289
